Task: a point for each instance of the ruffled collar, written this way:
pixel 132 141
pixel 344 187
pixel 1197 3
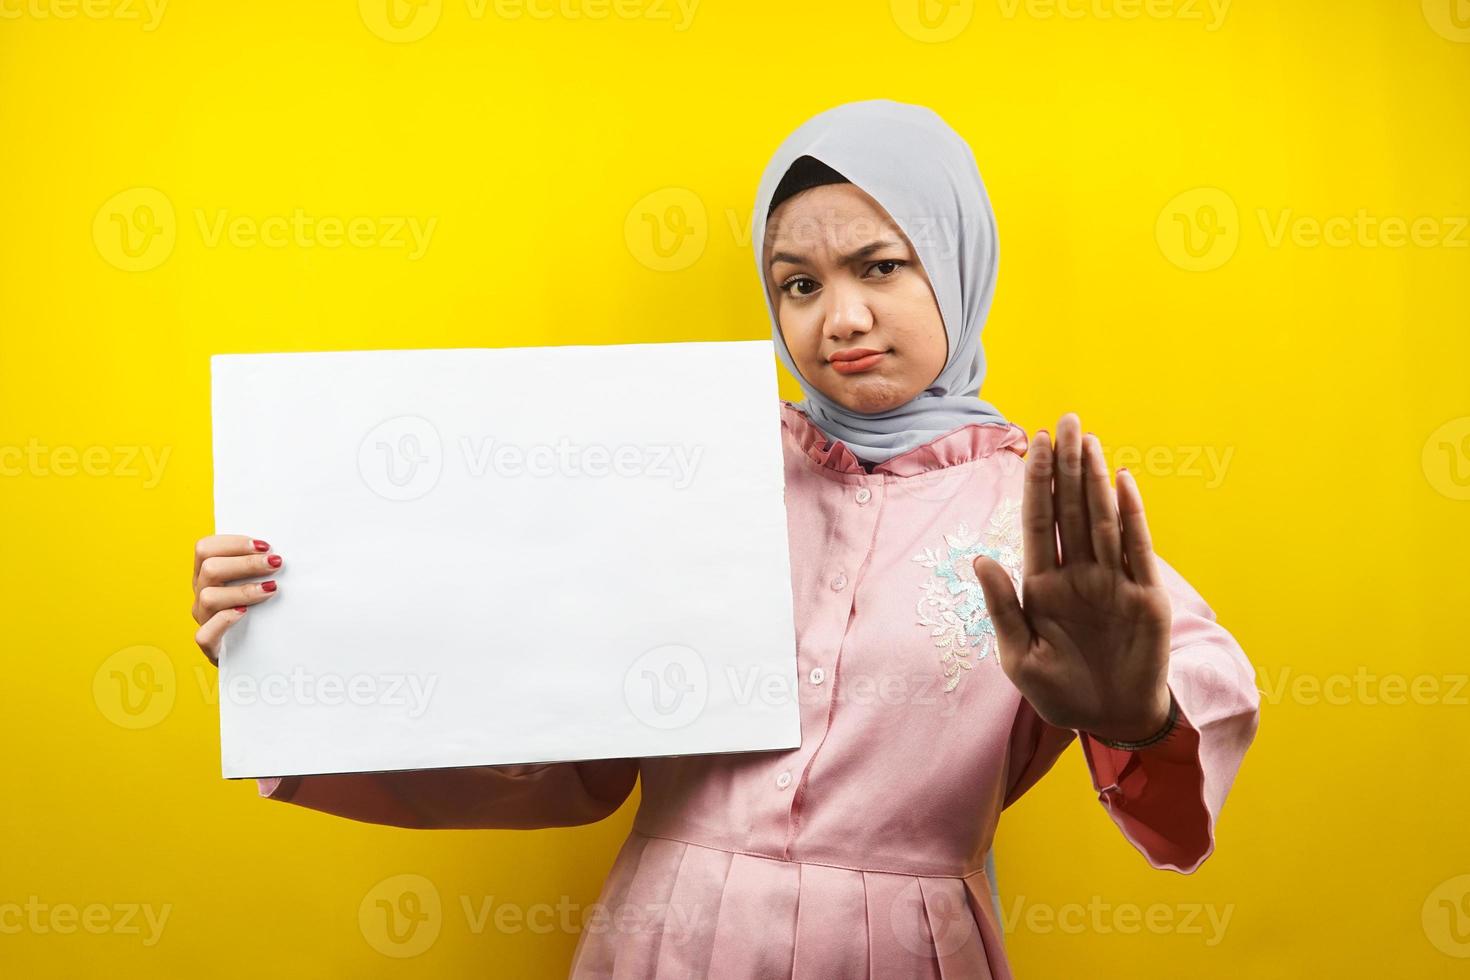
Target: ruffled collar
pixel 963 445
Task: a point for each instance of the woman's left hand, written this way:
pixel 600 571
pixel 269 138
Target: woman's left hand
pixel 1089 644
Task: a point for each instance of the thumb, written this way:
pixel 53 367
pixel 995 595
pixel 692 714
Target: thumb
pixel 1011 628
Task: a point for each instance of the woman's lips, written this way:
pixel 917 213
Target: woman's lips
pixel 857 365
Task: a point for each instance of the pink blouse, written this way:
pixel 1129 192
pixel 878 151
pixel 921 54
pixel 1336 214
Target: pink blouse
pixel 861 853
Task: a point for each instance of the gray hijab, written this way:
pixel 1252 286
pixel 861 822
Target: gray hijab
pixel 924 175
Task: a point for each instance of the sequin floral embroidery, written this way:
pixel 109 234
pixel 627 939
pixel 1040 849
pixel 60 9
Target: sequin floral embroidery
pixel 953 605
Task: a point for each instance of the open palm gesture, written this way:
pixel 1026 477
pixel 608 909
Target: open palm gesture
pixel 1088 645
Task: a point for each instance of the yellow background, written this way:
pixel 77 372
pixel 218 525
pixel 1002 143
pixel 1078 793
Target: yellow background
pixel 1332 377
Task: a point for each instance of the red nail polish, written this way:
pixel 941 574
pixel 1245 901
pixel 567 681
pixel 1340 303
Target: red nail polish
pixel 274 561
pixel 268 586
pixel 260 545
pixel 239 609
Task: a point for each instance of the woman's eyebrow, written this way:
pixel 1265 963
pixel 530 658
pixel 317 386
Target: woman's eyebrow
pixel 854 255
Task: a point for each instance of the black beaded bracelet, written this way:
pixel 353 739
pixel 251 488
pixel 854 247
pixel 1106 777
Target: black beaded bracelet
pixel 1169 724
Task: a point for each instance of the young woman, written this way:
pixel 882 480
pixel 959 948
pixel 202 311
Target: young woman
pixel 968 601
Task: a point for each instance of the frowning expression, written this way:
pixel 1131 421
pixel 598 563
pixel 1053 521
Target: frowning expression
pixel 854 304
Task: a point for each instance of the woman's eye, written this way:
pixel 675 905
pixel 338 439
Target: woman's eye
pixel 894 263
pixel 797 282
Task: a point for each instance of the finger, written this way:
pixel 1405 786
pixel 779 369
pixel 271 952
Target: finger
pixel 225 545
pixel 1137 543
pixel 1039 527
pixel 220 571
pixel 209 635
pixel 1071 502
pixel 1012 630
pixel 1102 507
pixel 216 598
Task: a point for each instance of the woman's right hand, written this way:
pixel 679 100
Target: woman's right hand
pixel 219 561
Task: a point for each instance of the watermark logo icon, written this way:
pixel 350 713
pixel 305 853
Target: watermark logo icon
pixel 1199 230
pixel 135 687
pixel 401 458
pixel 1446 458
pixel 401 916
pixel 668 229
pixel 667 687
pixel 1450 19
pixel 400 21
pixel 1446 917
pixel 932 21
pixel 936 485
pixel 934 929
pixel 135 230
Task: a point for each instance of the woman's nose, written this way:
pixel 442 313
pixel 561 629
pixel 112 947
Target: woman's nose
pixel 847 313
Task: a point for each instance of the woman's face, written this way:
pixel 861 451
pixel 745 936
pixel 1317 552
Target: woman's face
pixel 845 280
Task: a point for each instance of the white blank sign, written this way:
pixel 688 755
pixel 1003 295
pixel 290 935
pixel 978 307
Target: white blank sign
pixel 498 556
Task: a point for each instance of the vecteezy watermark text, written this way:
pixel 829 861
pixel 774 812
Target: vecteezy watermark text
pixel 402 458
pixel 97 918
pixel 301 687
pixel 508 459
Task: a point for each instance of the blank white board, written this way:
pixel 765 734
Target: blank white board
pixel 498 556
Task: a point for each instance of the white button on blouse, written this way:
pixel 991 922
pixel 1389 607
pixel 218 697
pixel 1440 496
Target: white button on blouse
pixel 839 583
pixel 783 780
pixel 817 675
pixel 864 495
